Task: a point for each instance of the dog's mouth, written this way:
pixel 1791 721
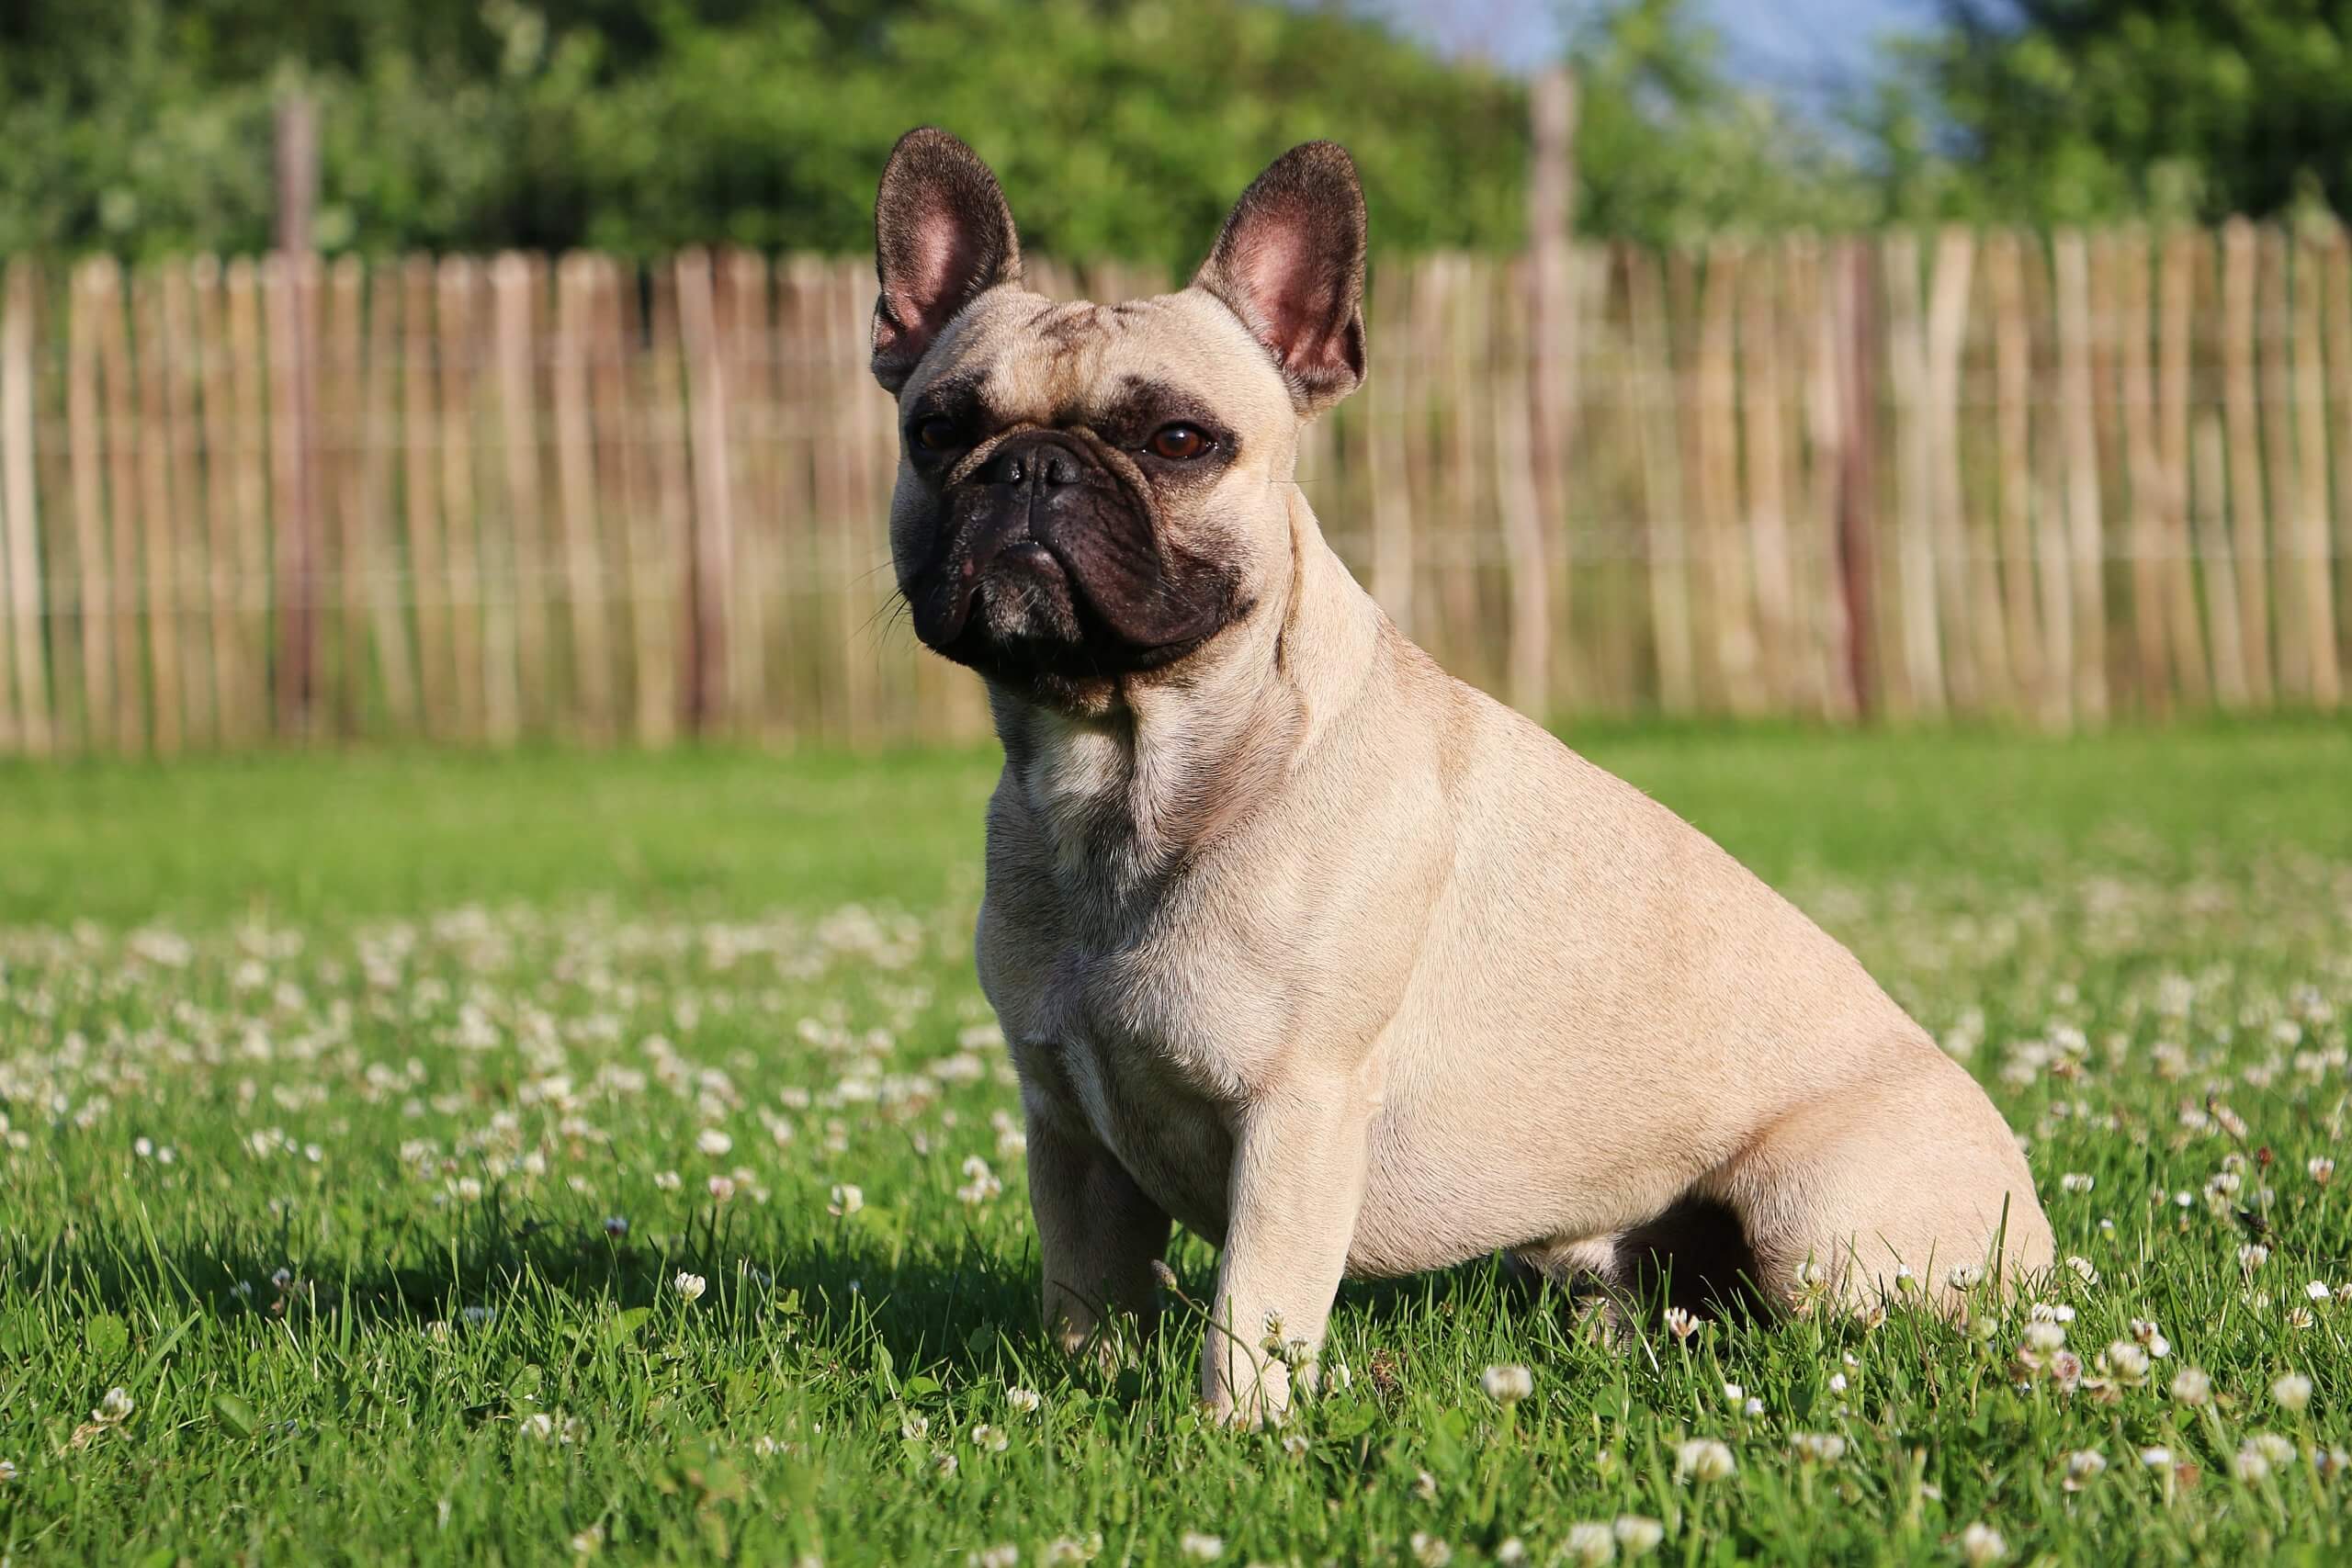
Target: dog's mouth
pixel 1068 577
pixel 990 561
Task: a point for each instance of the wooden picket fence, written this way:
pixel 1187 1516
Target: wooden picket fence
pixel 2052 479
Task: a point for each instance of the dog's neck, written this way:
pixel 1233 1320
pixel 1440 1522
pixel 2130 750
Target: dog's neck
pixel 1124 799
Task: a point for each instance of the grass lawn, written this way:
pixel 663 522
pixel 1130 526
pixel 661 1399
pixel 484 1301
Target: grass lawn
pixel 364 1116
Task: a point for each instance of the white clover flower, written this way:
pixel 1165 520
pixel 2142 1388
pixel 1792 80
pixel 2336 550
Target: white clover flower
pixel 114 1407
pixel 1753 1407
pixel 1201 1548
pixel 1589 1543
pixel 8 1471
pixel 2190 1386
pixel 2082 1466
pixel 1430 1550
pixel 1506 1385
pixel 1824 1448
pixel 2150 1338
pixel 847 1200
pixel 1002 1555
pixel 1681 1323
pixel 1637 1535
pixel 1297 1445
pixel 1025 1400
pixel 668 1180
pixel 2320 1169
pixel 2156 1457
pixel 722 1187
pixel 1703 1459
pixel 2252 1256
pixel 690 1286
pixel 1512 1552
pixel 2044 1338
pixel 2317 1291
pixel 713 1141
pixel 537 1425
pixel 2082 1266
pixel 2126 1363
pixel 989 1438
pixel 915 1426
pixel 2278 1451
pixel 2292 1391
pixel 2077 1181
pixel 1964 1276
pixel 1735 1395
pixel 1981 1545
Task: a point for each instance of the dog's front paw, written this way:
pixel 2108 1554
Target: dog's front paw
pixel 1111 1345
pixel 1255 1400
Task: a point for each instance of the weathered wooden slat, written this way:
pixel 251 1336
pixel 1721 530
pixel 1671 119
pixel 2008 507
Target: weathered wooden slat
pixel 572 349
pixel 2013 432
pixel 516 283
pixel 2085 532
pixel 465 588
pixel 28 607
pixel 2180 267
pixel 2311 575
pixel 2144 470
pixel 2248 515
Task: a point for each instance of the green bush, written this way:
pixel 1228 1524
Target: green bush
pixel 1120 127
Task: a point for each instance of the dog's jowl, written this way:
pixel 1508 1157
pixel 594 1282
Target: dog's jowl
pixel 1297 940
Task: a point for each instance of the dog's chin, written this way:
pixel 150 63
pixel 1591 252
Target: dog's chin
pixel 1028 623
pixel 1019 620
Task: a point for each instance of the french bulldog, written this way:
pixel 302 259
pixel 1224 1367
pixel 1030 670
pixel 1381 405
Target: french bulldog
pixel 1299 941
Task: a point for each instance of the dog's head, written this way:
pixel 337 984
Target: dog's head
pixel 1090 493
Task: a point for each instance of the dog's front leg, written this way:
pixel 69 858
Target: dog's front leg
pixel 1295 1187
pixel 1098 1236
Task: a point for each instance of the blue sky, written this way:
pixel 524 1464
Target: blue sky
pixel 1800 47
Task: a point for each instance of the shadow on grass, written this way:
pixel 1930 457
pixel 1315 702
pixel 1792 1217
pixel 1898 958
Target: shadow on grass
pixel 962 1304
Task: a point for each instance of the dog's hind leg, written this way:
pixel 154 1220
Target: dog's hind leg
pixel 1909 1173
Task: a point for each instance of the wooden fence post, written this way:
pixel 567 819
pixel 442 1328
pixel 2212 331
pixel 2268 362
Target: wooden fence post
pixel 19 509
pixel 1553 345
pixel 293 477
pixel 710 555
pixel 1857 478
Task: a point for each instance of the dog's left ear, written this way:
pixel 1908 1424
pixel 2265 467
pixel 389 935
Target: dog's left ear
pixel 943 236
pixel 1290 264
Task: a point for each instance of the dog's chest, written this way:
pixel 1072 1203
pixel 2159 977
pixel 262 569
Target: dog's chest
pixel 1121 1048
pixel 1139 1015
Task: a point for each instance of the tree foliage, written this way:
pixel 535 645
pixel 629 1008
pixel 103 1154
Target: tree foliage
pixel 2066 110
pixel 1120 127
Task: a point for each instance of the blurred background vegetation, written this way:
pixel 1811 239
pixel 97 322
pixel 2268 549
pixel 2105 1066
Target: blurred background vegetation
pixel 144 126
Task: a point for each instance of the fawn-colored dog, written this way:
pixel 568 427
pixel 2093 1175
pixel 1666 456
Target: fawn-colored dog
pixel 1296 940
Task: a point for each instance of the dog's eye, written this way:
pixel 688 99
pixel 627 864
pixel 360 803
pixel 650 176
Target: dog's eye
pixel 936 433
pixel 1179 441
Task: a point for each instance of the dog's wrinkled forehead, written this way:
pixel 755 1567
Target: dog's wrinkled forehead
pixel 1034 360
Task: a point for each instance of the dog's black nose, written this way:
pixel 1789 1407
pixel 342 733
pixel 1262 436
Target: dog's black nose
pixel 1040 460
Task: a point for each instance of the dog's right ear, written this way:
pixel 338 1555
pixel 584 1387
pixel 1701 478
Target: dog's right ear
pixel 1290 264
pixel 943 235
